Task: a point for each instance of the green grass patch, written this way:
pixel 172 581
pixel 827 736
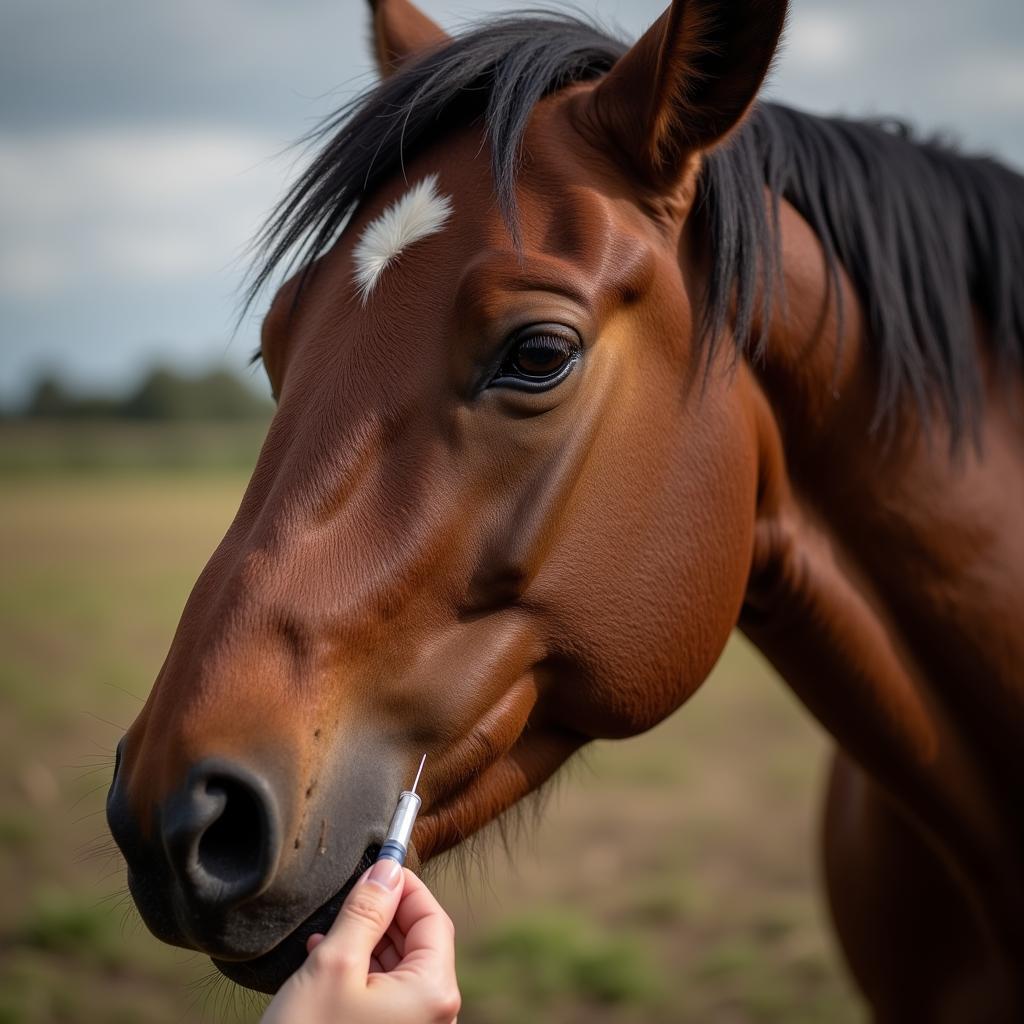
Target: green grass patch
pixel 60 922
pixel 33 448
pixel 18 830
pixel 10 1013
pixel 545 958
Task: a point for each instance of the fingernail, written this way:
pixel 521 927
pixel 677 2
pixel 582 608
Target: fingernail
pixel 385 873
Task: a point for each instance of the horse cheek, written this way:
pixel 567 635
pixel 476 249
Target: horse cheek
pixel 653 572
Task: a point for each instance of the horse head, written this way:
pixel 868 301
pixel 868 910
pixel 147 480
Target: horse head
pixel 507 502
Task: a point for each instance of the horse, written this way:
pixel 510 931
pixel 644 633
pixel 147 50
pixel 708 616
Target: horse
pixel 584 357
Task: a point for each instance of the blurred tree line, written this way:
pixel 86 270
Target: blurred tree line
pixel 162 395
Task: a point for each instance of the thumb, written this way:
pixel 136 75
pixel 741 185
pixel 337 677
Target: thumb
pixel 367 912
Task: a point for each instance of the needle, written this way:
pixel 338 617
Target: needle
pixel 419 772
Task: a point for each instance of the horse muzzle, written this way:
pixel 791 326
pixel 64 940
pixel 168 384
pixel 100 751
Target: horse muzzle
pixel 241 864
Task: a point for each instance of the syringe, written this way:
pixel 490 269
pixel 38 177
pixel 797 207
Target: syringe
pixel 396 845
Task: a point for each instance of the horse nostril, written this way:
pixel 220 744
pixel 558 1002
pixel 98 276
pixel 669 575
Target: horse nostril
pixel 221 834
pixel 232 845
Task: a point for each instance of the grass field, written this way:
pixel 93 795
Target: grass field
pixel 672 877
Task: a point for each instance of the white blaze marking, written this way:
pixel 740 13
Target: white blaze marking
pixel 420 212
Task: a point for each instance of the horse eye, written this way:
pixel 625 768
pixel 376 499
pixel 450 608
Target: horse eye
pixel 539 358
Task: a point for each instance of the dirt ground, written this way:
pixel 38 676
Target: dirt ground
pixel 671 877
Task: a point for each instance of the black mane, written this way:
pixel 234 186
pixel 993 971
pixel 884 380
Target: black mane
pixel 925 234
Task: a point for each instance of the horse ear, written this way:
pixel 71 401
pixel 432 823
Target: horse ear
pixel 687 82
pixel 400 31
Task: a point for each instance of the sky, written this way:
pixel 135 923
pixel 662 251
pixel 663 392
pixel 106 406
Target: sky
pixel 142 143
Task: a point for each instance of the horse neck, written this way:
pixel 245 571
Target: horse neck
pixel 825 603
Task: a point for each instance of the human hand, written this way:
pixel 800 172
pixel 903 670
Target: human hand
pixel 389 958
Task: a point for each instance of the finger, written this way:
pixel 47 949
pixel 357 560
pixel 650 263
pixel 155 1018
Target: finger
pixel 384 944
pixel 428 930
pixel 397 937
pixel 365 915
pixel 390 958
pixel 313 941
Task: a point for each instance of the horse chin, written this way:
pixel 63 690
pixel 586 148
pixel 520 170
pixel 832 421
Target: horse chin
pixel 268 972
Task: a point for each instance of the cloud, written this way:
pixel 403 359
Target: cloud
pixel 994 80
pixel 823 40
pixel 163 204
pixel 253 63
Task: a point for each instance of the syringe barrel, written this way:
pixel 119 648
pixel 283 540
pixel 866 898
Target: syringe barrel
pixel 396 844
